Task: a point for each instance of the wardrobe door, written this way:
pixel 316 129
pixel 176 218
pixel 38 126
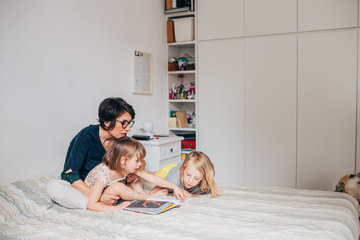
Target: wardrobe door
pixel 221 106
pixel 270 110
pixel 270 17
pixel 327 73
pixel 327 14
pixel 220 19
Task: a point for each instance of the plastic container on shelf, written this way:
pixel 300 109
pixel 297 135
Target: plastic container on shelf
pixel 184 29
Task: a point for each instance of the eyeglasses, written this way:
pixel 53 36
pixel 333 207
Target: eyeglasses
pixel 126 123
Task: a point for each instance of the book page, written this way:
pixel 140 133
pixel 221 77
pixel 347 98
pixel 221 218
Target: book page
pixel 168 199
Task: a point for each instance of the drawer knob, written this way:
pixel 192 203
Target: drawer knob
pixel 172 150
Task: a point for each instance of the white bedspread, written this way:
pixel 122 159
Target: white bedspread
pixel 242 212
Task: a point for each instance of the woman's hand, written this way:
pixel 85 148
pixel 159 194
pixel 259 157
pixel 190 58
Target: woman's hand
pixel 178 193
pixel 109 199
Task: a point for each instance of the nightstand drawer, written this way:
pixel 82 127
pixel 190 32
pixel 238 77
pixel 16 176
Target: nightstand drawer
pixel 169 150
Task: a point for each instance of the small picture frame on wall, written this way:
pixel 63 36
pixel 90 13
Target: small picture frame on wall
pixel 142 80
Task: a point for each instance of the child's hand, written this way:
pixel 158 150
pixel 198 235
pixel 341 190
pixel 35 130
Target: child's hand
pixel 123 205
pixel 132 178
pixel 189 195
pixel 109 199
pixel 178 193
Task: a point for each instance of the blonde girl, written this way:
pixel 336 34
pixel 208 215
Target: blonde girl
pixel 195 175
pixel 109 177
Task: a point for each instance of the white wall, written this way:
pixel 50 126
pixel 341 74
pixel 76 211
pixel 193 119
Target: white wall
pixel 58 60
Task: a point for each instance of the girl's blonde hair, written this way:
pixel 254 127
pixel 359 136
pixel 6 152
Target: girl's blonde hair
pixel 123 147
pixel 203 164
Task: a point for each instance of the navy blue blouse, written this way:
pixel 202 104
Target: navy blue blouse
pixel 85 152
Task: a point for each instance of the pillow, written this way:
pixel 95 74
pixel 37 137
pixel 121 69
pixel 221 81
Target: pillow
pixel 63 193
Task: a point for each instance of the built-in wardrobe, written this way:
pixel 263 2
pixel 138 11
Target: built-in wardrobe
pixel 277 90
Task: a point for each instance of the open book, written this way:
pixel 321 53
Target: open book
pixel 168 199
pixel 154 205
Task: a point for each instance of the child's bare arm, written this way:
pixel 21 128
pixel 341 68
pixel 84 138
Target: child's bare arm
pixel 178 192
pixel 155 190
pixel 186 193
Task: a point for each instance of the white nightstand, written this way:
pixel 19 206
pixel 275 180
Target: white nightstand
pixel 162 151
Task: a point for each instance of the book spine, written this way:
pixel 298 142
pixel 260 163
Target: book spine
pixel 167 4
pixel 179 3
pixel 192 5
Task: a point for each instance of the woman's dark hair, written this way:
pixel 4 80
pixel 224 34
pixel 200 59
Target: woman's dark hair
pixel 111 108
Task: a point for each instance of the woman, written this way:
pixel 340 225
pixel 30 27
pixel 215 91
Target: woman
pixel 86 151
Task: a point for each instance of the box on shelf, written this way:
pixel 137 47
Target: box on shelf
pixel 190 66
pixel 172 122
pixel 173 67
pixel 188 143
pixel 184 29
pixel 170 31
pixel 182 119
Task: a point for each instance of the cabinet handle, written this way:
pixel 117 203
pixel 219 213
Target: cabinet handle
pixel 172 150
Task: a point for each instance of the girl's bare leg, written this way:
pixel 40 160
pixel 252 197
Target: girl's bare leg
pixel 137 186
pixel 159 191
pixel 155 189
pixel 125 192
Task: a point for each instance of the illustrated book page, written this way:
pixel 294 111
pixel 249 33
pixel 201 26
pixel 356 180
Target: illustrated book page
pixel 150 207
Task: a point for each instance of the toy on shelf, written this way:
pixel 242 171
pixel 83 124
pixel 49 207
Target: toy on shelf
pixel 182 91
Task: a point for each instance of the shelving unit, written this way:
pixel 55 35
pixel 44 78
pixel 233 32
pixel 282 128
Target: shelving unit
pixel 188 78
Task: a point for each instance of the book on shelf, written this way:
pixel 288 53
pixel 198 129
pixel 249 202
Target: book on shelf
pixel 192 5
pixel 175 10
pixel 183 155
pixel 168 4
pixel 187 150
pixel 154 205
pixel 185 3
pixel 174 6
pixel 186 135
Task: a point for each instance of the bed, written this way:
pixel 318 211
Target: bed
pixel 242 212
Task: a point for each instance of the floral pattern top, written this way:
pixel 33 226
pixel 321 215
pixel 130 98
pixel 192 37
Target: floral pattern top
pixel 102 173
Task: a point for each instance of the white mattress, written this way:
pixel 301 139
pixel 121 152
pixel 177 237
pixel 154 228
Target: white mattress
pixel 242 212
